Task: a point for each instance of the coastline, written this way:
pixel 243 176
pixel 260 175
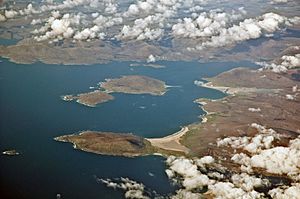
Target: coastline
pixel 236 90
pixel 222 117
pixel 171 142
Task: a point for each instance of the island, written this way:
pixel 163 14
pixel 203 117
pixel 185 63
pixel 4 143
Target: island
pixel 135 84
pixel 106 143
pixel 90 99
pixel 12 152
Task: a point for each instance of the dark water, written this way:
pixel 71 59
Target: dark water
pixel 8 42
pixel 32 113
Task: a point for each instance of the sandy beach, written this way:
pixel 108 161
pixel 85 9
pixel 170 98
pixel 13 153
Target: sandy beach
pixel 171 142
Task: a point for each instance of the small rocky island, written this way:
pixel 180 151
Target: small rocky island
pixel 135 84
pixel 12 152
pixel 105 143
pixel 89 99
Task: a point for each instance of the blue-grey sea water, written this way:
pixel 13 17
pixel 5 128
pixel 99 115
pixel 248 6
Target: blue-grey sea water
pixel 32 114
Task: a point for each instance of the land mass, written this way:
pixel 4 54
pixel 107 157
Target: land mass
pixel 135 84
pixel 107 143
pixel 254 97
pixel 89 99
pixel 262 97
pixel 171 142
pixel 127 84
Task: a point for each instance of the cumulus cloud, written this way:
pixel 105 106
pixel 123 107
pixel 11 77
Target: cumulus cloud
pixel 289 97
pixel 2 18
pixel 263 140
pixel 167 8
pixel 88 33
pixel 198 173
pixel 29 10
pixel 152 20
pixel 285 63
pixel 9 14
pixel 218 29
pixel 286 192
pixel 188 169
pixel 280 160
pixel 254 109
pixel 263 154
pixel 58 27
pixel 36 21
pixel 142 30
pixel 246 182
pixel 183 193
pixel 251 28
pixel 227 190
pixel 205 25
pixel 279 1
pixel 151 59
pixel 133 189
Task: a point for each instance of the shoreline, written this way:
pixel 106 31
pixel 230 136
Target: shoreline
pixel 171 142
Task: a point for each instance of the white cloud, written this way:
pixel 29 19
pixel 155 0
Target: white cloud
pixel 36 21
pixel 279 160
pixel 246 182
pixel 289 97
pixel 183 193
pixel 142 29
pixel 9 14
pixel 227 190
pixel 186 168
pixel 284 192
pixel 286 62
pixel 29 10
pixel 133 189
pixel 205 25
pixel 151 59
pixel 2 18
pixel 295 88
pixel 278 1
pixel 291 61
pixel 254 109
pixel 59 27
pixel 87 33
pixel 263 140
pixel 251 28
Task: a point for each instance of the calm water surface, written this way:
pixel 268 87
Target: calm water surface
pixel 32 114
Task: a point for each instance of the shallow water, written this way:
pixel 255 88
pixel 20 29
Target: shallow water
pixel 32 114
